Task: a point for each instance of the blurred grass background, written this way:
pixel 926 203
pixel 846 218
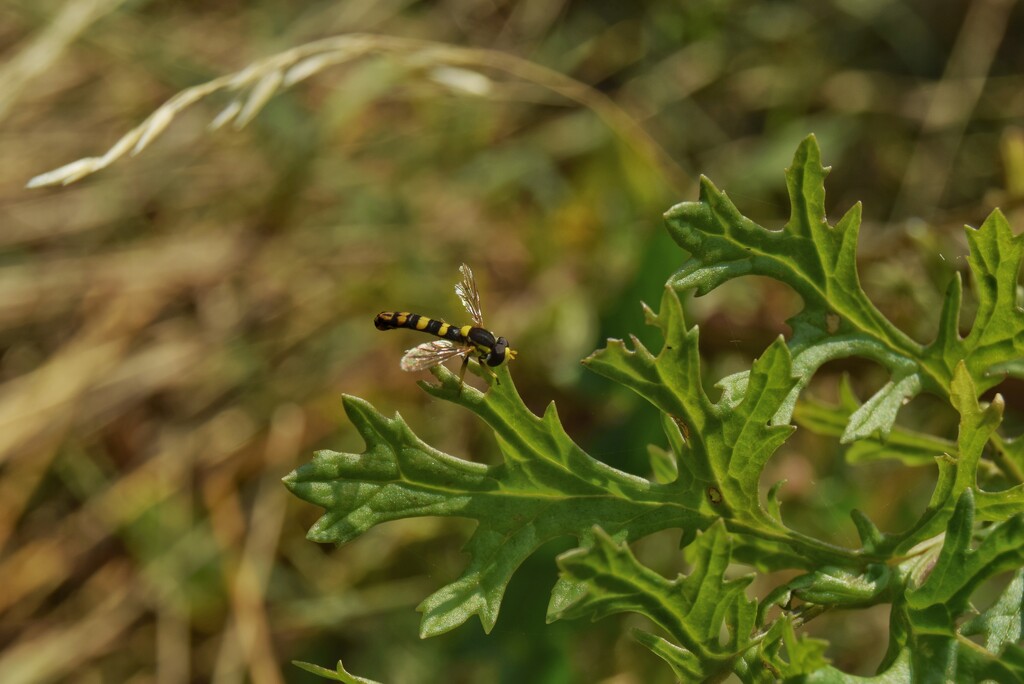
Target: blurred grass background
pixel 177 329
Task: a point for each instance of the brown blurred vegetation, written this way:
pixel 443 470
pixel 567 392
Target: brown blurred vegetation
pixel 177 329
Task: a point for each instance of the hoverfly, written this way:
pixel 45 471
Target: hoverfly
pixel 465 341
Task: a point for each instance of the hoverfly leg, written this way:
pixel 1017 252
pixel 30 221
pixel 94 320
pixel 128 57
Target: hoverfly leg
pixel 462 371
pixel 489 370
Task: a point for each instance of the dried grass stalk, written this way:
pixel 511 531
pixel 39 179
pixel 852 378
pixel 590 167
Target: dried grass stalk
pixel 261 80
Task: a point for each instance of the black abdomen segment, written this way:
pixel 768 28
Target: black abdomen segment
pixel 388 320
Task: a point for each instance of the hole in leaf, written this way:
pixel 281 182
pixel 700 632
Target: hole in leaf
pixel 714 495
pixel 929 415
pixel 826 480
pixel 660 552
pixel 823 487
pixel 821 490
pixel 620 435
pixel 740 318
pixel 898 277
pixel 858 639
pixel 1012 390
pixel 864 376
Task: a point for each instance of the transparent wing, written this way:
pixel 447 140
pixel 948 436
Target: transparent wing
pixel 430 354
pixel 470 296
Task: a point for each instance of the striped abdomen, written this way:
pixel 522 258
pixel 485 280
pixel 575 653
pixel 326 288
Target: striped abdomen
pixel 388 320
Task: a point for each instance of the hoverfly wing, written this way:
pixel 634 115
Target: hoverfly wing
pixel 430 354
pixel 469 295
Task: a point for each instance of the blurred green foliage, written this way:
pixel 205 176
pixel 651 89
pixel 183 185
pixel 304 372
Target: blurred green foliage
pixel 176 330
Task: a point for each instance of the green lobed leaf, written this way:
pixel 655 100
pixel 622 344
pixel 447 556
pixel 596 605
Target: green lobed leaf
pixel 925 645
pixel 339 674
pixel 1001 624
pixel 685 665
pixel 803 655
pixel 838 320
pixel 836 588
pixel 877 415
pixel 899 671
pixel 663 464
pixel 693 609
pixel 959 569
pixel 547 487
pixel 958 466
pixel 708 478
pixel 996 340
pixel 725 444
pixel 805 661
pixel 958 471
pixel 925 620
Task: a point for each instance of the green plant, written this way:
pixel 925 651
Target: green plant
pixel 548 487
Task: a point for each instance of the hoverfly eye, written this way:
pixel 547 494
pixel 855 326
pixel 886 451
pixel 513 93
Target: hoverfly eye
pixel 497 354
